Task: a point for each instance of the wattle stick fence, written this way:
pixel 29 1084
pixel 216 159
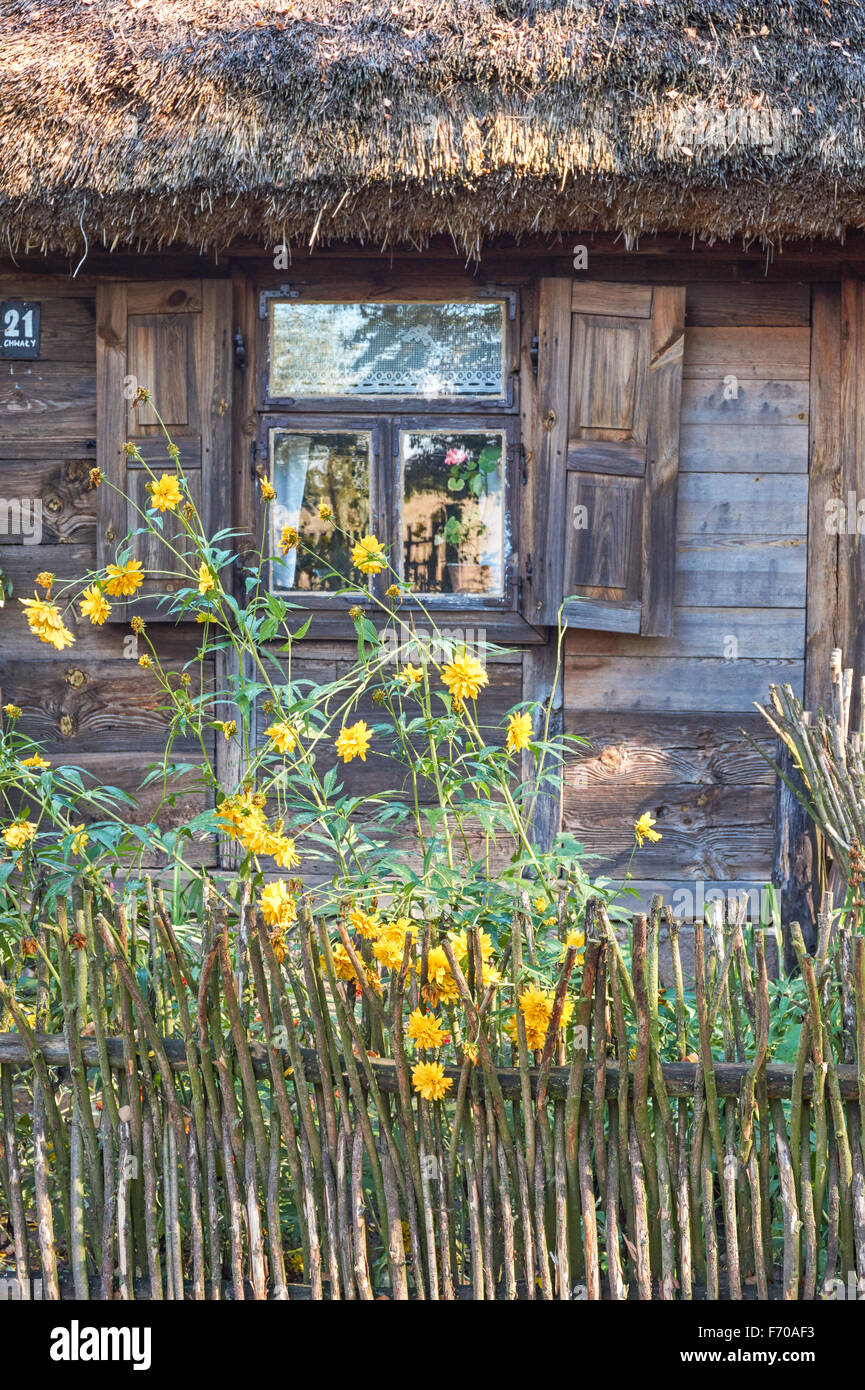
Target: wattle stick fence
pixel 218 1113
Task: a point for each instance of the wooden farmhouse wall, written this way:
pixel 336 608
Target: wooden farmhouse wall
pixel 770 388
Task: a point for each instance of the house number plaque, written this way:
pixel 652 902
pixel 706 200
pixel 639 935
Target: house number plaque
pixel 21 322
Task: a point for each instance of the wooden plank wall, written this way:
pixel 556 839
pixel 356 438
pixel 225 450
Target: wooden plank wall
pixel 664 714
pixel 91 704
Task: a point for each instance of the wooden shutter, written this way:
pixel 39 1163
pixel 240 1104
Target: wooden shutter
pixel 606 455
pixel 173 338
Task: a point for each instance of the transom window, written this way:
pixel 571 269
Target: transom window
pixel 426 466
pixel 430 351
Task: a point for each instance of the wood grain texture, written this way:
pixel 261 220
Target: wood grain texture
pixel 851 561
pixel 74 706
pixel 626 301
pixel 824 482
pixel 59 479
pixel 717 632
pixel 743 448
pixel 698 685
pixel 714 402
pixel 662 461
pixel 709 791
pixel 741 571
pixel 760 354
pixel 554 335
pixel 741 504
pixel 748 305
pixel 47 398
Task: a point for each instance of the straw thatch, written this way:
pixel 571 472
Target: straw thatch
pixel 152 121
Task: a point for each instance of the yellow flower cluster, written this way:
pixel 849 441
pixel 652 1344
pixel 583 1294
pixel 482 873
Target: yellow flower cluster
pixel 643 829
pixel 390 946
pixel 536 1007
pixel 425 1031
pixel 45 622
pixel 241 817
pixel 278 904
pixel 19 833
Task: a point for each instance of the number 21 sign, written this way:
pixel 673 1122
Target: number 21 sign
pixel 20 321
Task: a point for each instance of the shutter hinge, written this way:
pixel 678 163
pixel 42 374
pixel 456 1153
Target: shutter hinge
pixel 240 360
pixel 534 351
pixel 520 593
pixel 524 472
pixel 254 468
pixel 529 568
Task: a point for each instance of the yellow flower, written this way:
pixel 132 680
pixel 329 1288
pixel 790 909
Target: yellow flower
pixel 17 835
pixel 368 556
pixel 643 829
pixel 35 761
pixel 365 924
pixel 206 582
pixel 95 477
pixel 429 1080
pixel 343 967
pixel 165 493
pixel 324 511
pixel 519 732
pixel 283 736
pixel 353 742
pixel 45 622
pixel 12 711
pixel 465 677
pixel 393 591
pixel 45 579
pixel 80 839
pixel 277 904
pixel 241 814
pixel 288 539
pixel 94 605
pixel 268 491
pixel 470 1052
pixel 425 1031
pixel 282 851
pixel 391 944
pixel 145 661
pixel 441 986
pixel 536 1007
pixel 123 580
pixel 228 727
pixel 410 675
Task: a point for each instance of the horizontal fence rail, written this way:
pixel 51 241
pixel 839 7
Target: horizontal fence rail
pixel 681 1079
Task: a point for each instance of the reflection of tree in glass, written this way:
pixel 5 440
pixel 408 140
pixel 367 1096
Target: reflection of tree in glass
pixel 387 349
pixel 324 467
pixel 444 477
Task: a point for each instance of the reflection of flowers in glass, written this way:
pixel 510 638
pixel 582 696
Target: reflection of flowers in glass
pixel 454 457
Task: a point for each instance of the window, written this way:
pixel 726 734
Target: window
pixel 400 415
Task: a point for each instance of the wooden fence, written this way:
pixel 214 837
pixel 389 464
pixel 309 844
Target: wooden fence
pixel 216 1118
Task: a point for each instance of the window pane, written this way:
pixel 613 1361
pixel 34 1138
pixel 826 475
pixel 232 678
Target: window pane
pixel 309 468
pixel 453 511
pixel 425 350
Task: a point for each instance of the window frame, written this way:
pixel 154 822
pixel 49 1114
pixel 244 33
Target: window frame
pixel 386 498
pixel 363 405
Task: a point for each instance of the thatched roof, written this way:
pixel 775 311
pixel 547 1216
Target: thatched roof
pixel 159 121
